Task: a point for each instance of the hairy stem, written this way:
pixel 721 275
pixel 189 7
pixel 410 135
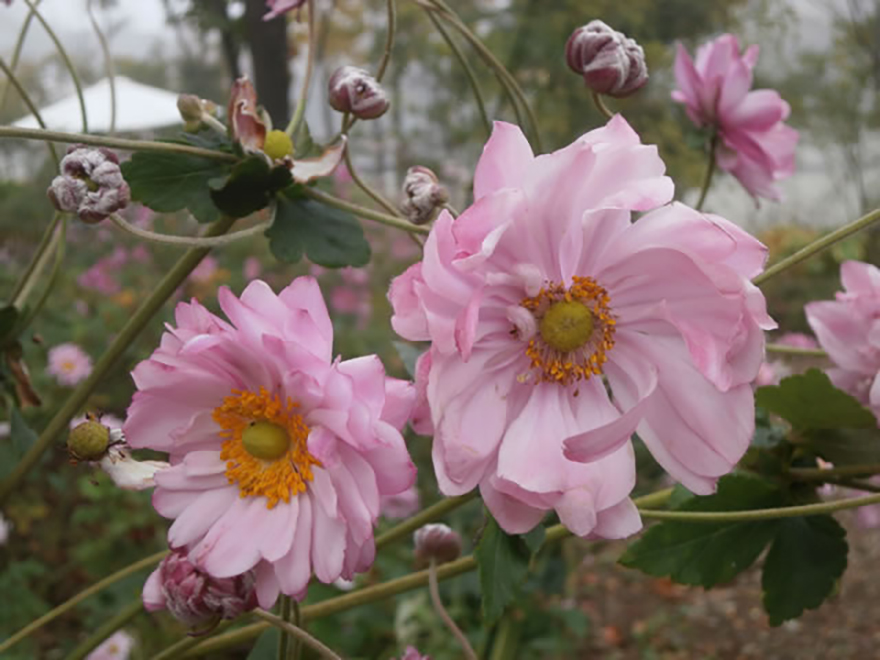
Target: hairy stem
pixel 363 185
pixel 363 212
pixel 432 513
pixel 434 590
pixel 299 633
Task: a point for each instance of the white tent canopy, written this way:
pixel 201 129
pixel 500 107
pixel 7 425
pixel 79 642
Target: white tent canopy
pixel 138 108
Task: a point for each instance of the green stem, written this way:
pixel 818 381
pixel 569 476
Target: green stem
pixel 466 67
pixel 855 484
pixel 819 474
pixel 53 277
pixel 179 648
pixel 31 107
pixel 296 651
pixel 16 53
pixel 432 513
pixel 299 633
pixel 108 64
pixel 307 80
pixel 67 62
pixel 506 637
pixel 115 351
pixel 818 245
pixel 600 104
pixel 710 170
pixel 363 212
pixel 434 590
pixel 363 185
pixel 106 629
pixel 284 637
pixel 791 350
pixel 191 241
pixel 69 604
pixel 115 143
pixel 389 40
pixel 35 262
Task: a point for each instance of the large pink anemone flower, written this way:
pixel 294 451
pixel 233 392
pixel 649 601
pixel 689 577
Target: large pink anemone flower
pixel 279 454
pixel 559 328
pixel 754 143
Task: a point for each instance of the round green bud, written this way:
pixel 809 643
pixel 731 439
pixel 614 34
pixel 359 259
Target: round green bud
pixel 265 440
pixel 88 441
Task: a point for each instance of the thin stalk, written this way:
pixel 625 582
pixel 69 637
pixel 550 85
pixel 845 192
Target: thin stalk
pixel 466 67
pixel 284 637
pixel 32 108
pixel 16 53
pixel 818 245
pixel 505 642
pixel 191 241
pixel 300 109
pixel 710 171
pixel 363 212
pixel 24 280
pixel 434 590
pixel 67 62
pixel 819 474
pixel 178 649
pixel 389 40
pixel 296 651
pixel 70 603
pixel 791 350
pixel 299 633
pixel 363 185
pixel 108 63
pixel 115 351
pixel 854 484
pixel 115 143
pixel 599 102
pixel 61 245
pixel 432 513
pixel 106 629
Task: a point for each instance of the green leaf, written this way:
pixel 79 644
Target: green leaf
pixel 535 539
pixel 503 562
pixel 170 182
pixel 328 236
pixel 408 354
pixel 21 437
pixel 303 144
pixel 767 435
pixel 707 554
pixel 808 556
pixel 8 318
pixel 266 647
pixel 809 402
pixel 847 446
pixel 249 187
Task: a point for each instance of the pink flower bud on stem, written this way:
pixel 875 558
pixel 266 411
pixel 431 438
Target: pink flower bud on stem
pixel 423 195
pixel 355 91
pixel 90 185
pixel 609 61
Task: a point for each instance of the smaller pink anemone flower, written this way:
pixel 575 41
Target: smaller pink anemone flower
pixel 755 145
pixel 848 329
pixel 279 454
pixel 69 364
pixel 116 647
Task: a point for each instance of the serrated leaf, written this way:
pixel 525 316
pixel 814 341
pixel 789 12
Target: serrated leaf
pixel 809 402
pixel 249 186
pixel 408 354
pixel 503 561
pixel 707 554
pixel 808 556
pixel 847 446
pixel 328 236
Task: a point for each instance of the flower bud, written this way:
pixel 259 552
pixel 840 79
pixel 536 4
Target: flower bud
pixel 90 185
pixel 438 542
pixel 88 441
pixel 356 91
pixel 610 62
pixel 190 107
pixel 194 597
pixel 423 194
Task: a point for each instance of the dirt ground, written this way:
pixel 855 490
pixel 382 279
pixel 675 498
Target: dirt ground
pixel 635 616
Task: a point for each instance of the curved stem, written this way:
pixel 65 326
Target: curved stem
pixel 16 53
pixel 710 170
pixel 108 360
pixel 69 604
pixel 179 648
pixel 819 474
pixel 307 80
pixel 106 629
pixel 191 241
pixel 115 143
pixel 363 185
pixel 600 104
pixel 47 238
pixel 434 590
pixel 466 67
pixel 363 212
pixel 60 250
pixel 791 350
pixel 67 62
pixel 389 40
pixel 818 245
pixel 31 107
pixel 108 63
pixel 297 632
pixel 432 513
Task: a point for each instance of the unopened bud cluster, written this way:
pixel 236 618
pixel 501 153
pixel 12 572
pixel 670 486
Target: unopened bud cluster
pixel 422 195
pixel 355 91
pixel 90 185
pixel 436 542
pixel 610 62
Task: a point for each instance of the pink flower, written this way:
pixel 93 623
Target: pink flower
pixel 542 286
pixel 279 454
pixel 69 364
pixel 401 505
pixel 278 7
pixel 252 268
pixel 90 184
pixel 848 329
pixel 116 647
pixel 205 271
pixel 755 145
pixel 344 299
pixel 412 653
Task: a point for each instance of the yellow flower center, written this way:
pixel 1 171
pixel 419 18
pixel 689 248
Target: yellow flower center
pixel 278 145
pixel 575 330
pixel 265 449
pixel 68 365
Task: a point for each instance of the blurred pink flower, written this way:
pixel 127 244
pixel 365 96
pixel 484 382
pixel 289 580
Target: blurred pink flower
pixel 69 364
pixel 316 271
pixel 754 143
pixel 98 278
pixel 354 276
pixel 205 271
pixel 400 505
pixel 116 647
pixel 141 254
pixel 797 340
pixel 544 285
pixel 344 299
pixel 412 653
pixel 848 329
pixel 252 268
pixel 403 248
pixel 279 453
pixel 278 7
pixel 81 307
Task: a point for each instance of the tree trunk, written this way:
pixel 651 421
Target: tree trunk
pixel 268 44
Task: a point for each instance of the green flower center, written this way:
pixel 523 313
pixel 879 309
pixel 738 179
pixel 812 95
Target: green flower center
pixel 278 145
pixel 567 325
pixel 265 440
